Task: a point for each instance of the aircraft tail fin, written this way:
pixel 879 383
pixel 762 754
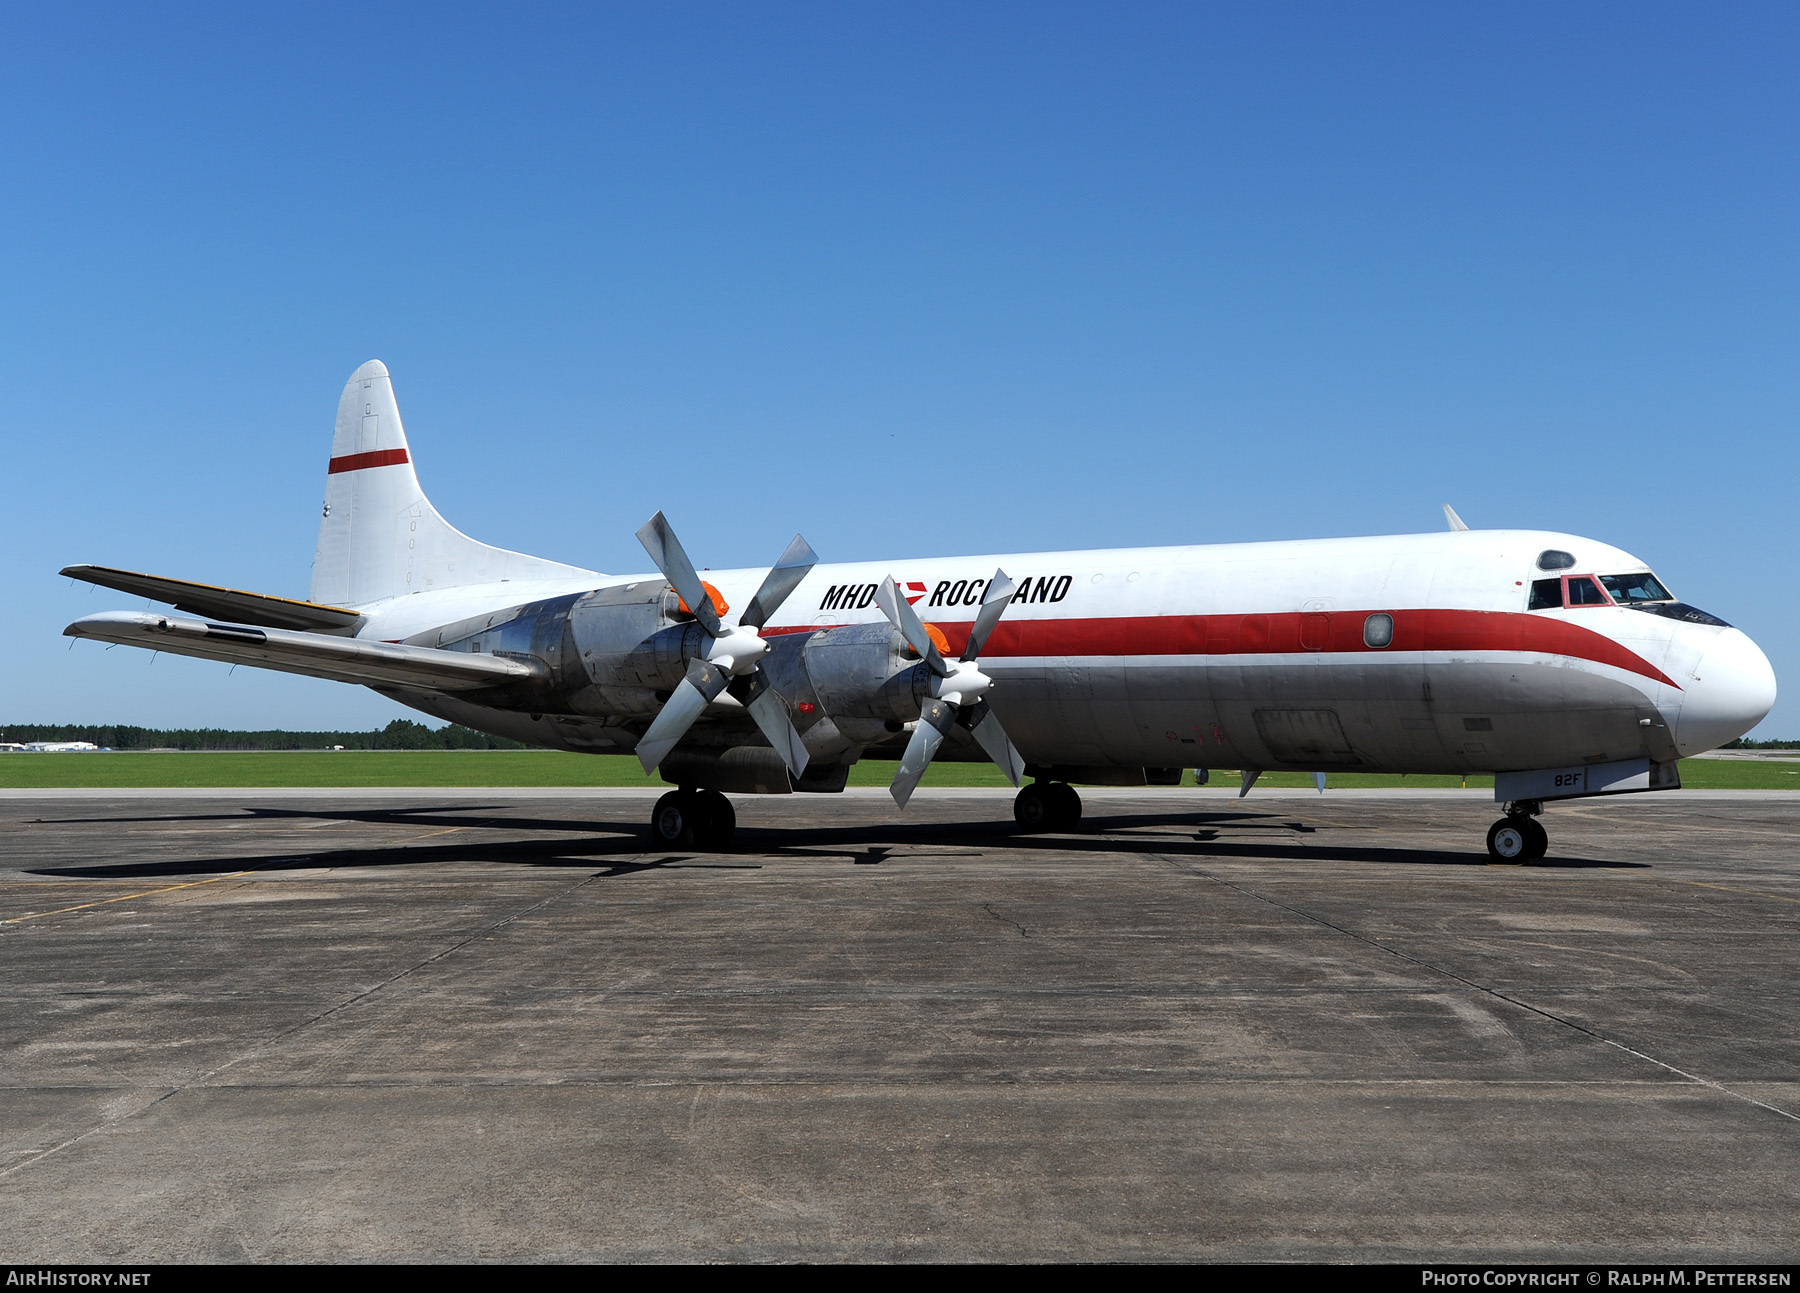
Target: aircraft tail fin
pixel 380 537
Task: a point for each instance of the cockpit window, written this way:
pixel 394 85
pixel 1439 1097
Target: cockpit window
pixel 1546 595
pixel 1583 591
pixel 1631 590
pixel 1555 559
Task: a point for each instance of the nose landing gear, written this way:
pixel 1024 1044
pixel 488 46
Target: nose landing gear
pixel 1047 806
pixel 693 819
pixel 1517 837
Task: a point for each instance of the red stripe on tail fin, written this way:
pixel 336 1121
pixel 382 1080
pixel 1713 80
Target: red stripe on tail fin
pixel 357 461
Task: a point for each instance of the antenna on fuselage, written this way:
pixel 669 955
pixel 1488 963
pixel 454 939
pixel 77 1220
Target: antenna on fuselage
pixel 1456 522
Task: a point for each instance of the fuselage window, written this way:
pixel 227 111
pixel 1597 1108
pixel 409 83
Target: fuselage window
pixel 1583 591
pixel 1546 595
pixel 1629 590
pixel 1378 631
pixel 1555 559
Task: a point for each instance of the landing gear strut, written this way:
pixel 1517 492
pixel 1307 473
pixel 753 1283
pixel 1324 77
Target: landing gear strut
pixel 693 819
pixel 1517 837
pixel 1047 806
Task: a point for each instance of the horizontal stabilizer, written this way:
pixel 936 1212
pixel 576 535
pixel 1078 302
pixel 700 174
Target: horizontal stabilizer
pixel 223 603
pixel 372 664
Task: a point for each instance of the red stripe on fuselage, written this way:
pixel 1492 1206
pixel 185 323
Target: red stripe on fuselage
pixel 1297 633
pixel 374 458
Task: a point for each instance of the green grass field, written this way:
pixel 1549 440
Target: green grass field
pixel 548 768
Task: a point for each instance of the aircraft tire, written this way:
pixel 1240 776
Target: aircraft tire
pixel 1538 842
pixel 1509 840
pixel 672 821
pixel 1034 809
pixel 1066 804
pixel 715 821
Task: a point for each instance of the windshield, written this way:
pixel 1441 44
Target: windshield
pixel 1632 590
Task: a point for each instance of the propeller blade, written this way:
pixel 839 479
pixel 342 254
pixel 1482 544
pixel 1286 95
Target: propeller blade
pixel 770 711
pixel 666 551
pixel 993 605
pixel 783 577
pixel 902 616
pixel 935 719
pixel 686 703
pixel 985 727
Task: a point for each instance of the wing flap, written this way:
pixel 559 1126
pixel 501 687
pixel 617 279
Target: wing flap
pixel 223 603
pixel 374 664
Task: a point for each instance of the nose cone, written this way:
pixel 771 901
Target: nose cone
pixel 1730 693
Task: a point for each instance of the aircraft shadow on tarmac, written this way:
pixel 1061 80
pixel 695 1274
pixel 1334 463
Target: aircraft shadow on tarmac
pixel 1219 836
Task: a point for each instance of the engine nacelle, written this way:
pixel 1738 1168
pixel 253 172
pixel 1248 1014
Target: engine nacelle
pixel 866 671
pixel 615 651
pixel 619 651
pixel 625 637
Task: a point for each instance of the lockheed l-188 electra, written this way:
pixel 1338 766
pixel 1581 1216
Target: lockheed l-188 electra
pixel 1561 665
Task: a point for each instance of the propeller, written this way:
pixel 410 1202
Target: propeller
pixel 729 658
pixel 958 690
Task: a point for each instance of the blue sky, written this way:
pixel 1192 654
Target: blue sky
pixel 910 280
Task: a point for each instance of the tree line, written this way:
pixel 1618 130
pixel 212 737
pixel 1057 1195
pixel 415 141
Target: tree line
pixel 401 734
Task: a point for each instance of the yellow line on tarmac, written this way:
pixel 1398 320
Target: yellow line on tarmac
pixel 126 897
pixel 448 830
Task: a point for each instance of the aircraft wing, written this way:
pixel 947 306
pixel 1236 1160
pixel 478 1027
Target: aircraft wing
pixel 224 603
pixel 373 664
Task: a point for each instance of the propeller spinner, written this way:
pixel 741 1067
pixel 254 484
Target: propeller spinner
pixel 958 691
pixel 729 660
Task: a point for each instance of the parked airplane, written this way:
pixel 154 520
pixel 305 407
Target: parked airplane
pixel 1560 664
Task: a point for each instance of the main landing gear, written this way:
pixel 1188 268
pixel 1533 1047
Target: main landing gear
pixel 1517 837
pixel 693 819
pixel 1047 806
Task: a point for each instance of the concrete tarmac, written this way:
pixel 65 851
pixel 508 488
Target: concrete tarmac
pixel 473 1024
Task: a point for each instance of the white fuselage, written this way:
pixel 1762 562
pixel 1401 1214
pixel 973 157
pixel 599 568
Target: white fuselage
pixel 1264 655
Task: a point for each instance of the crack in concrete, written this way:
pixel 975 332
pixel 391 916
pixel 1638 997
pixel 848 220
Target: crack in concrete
pixel 988 907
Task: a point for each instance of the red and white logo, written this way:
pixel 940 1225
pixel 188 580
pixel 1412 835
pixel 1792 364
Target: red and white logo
pixel 914 591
